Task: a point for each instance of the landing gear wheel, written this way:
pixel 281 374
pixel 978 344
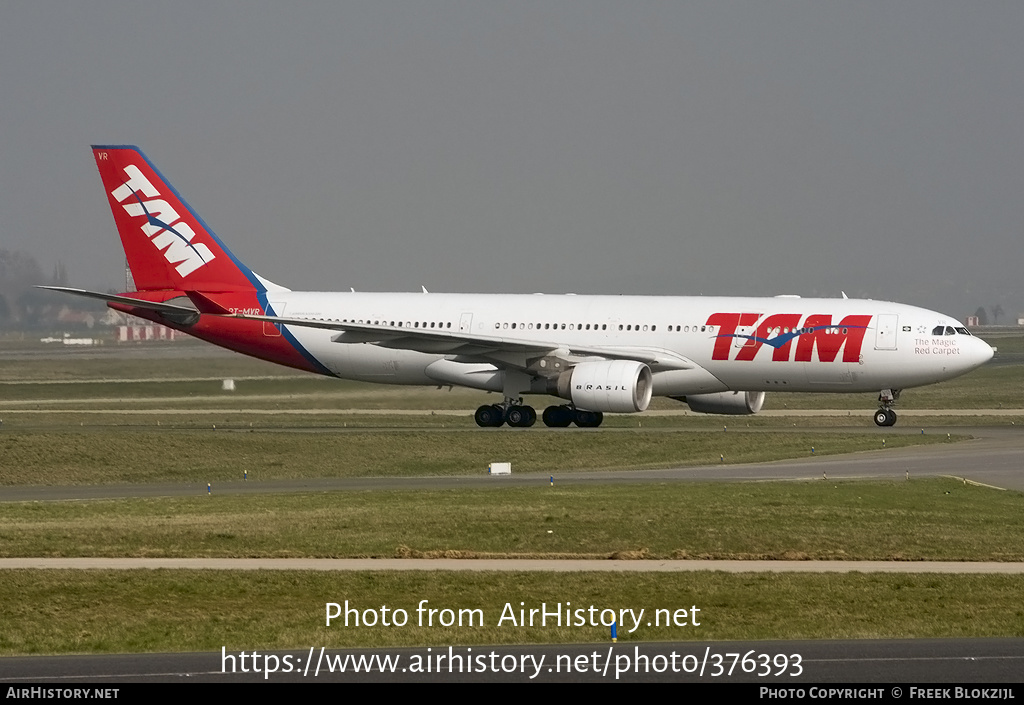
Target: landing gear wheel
pixel 521 416
pixel 489 415
pixel 557 416
pixel 885 417
pixel 588 419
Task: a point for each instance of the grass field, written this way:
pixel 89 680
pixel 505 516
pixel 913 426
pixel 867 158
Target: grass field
pixel 991 387
pixel 182 610
pixel 159 427
pixel 103 455
pixel 926 519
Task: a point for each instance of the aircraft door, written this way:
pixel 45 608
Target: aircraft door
pixel 466 323
pixel 744 335
pixel 885 331
pixel 271 330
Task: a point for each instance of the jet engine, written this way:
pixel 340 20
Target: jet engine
pixel 734 403
pixel 622 386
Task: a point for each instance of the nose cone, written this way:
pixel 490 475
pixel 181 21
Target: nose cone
pixel 978 353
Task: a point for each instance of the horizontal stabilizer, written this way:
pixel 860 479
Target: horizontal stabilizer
pixel 158 306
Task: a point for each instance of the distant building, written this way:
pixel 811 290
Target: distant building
pixel 152 331
pixel 130 329
pixel 67 315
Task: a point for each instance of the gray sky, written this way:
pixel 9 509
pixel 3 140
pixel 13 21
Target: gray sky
pixel 749 148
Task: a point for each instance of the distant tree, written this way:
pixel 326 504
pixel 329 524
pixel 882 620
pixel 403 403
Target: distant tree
pixel 60 275
pixel 997 311
pixel 982 316
pixel 33 305
pixel 19 272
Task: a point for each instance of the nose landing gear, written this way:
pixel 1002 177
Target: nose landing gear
pixel 885 416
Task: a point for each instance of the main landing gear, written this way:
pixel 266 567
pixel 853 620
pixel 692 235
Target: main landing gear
pixel 563 416
pixel 513 414
pixel 516 414
pixel 885 416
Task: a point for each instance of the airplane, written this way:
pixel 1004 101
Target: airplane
pixel 596 354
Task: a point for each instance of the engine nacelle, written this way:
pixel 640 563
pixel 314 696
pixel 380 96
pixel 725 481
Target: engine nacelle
pixel 735 403
pixel 622 386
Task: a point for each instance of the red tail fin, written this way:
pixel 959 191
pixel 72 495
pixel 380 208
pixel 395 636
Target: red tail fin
pixel 167 244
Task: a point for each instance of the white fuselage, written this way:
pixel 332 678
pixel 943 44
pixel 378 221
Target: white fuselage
pixel 725 343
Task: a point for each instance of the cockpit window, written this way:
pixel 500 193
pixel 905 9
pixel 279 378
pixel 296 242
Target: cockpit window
pixel 937 330
pixel 963 331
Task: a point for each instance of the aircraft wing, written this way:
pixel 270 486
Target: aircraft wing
pixel 472 347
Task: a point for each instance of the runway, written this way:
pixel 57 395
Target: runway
pixel 844 661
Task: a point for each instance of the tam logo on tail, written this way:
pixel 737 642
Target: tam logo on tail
pixel 166 243
pixel 163 225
